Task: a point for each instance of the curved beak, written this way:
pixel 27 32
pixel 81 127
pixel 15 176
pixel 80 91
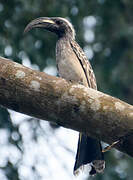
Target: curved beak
pixel 44 22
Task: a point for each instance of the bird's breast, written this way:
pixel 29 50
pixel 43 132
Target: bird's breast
pixel 68 64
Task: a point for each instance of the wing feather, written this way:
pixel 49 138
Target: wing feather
pixel 85 64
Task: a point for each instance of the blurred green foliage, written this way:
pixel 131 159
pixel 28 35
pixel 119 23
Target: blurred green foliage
pixel 111 54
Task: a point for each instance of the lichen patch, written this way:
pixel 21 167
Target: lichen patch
pixel 131 107
pixel 67 96
pixel 17 65
pixel 119 106
pixel 105 107
pixel 35 85
pixel 38 77
pixel 95 105
pixel 83 106
pixel 90 100
pixel 131 114
pixel 58 83
pixel 87 91
pixel 20 74
pixel 54 81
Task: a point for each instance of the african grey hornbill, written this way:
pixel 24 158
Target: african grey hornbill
pixel 74 66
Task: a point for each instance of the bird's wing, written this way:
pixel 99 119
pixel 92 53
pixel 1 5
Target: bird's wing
pixel 87 144
pixel 85 64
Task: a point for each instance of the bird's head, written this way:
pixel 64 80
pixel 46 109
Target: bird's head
pixel 60 26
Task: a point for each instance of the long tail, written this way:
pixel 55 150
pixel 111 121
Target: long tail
pixel 89 152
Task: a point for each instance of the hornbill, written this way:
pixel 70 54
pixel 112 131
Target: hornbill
pixel 74 66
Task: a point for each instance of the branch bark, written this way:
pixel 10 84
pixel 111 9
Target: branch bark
pixel 68 104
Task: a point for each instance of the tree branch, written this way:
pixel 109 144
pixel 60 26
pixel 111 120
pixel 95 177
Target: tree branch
pixel 70 105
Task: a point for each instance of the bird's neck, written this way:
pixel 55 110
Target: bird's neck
pixel 62 42
pixel 62 48
pixel 66 36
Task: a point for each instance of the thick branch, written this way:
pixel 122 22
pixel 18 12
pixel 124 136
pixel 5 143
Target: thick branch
pixel 70 105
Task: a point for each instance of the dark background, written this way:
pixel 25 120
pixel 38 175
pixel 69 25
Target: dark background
pixel 104 29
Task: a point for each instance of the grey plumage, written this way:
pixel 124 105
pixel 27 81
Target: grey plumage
pixel 74 66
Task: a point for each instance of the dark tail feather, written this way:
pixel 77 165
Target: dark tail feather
pixel 89 151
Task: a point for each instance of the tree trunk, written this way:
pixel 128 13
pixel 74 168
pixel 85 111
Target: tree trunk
pixel 68 104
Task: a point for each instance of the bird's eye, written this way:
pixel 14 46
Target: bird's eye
pixel 59 22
